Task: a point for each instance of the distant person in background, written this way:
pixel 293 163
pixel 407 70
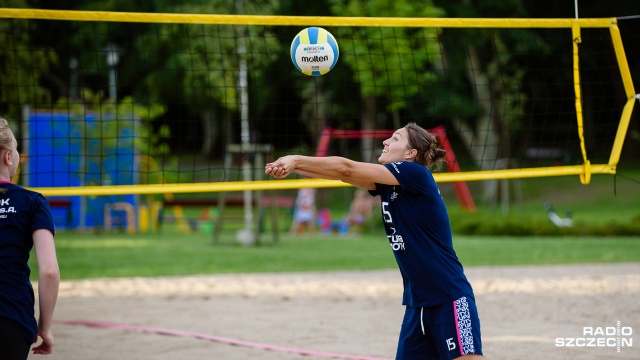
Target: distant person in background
pixel 304 213
pixel 25 222
pixel 360 210
pixel 353 222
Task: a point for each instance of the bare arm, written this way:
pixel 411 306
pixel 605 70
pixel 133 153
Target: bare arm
pixel 48 284
pixel 360 174
pixel 365 185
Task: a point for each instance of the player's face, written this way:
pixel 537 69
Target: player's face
pixel 396 148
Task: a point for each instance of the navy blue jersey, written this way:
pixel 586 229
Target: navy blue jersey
pixel 417 226
pixel 21 213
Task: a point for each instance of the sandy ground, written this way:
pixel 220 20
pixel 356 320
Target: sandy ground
pixel 352 315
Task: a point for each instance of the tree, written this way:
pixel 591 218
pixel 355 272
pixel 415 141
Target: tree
pixel 201 59
pixel 483 75
pixel 209 59
pixel 626 11
pixel 21 67
pixel 389 63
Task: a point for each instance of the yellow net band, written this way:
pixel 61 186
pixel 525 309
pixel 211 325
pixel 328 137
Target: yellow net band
pixel 69 15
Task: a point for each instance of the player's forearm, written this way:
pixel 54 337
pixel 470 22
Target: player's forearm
pixel 362 184
pixel 48 286
pixel 313 174
pixel 332 168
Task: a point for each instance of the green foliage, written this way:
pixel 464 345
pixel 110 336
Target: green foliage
pixel 20 65
pixel 200 60
pixel 606 207
pixel 208 56
pixel 514 225
pixel 510 98
pixel 386 60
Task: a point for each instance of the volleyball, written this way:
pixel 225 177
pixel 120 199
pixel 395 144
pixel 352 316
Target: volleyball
pixel 314 51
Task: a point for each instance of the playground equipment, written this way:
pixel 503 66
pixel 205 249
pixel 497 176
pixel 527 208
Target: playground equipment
pixel 59 154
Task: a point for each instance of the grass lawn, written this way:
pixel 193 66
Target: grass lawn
pixel 121 255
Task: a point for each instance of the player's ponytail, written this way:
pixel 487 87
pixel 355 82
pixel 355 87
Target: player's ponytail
pixel 426 145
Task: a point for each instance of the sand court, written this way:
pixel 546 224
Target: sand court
pixel 525 312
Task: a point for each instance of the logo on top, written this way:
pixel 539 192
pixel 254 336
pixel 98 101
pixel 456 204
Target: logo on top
pixel 5 208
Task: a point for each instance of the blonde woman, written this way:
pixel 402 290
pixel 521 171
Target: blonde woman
pixel 25 223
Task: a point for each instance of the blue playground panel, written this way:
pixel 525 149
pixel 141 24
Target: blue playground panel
pixel 57 154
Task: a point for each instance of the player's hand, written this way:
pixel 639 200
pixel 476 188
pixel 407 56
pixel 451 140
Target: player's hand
pixel 280 168
pixel 274 171
pixel 46 347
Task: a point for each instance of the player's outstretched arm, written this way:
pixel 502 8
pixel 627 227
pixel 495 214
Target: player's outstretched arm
pixel 360 174
pixel 365 185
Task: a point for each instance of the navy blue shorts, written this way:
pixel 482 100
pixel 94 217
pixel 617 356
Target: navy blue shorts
pixel 444 331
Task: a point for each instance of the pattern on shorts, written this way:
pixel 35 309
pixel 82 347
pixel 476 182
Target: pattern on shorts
pixel 465 334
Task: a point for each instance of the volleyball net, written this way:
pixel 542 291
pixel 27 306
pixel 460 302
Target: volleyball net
pixel 141 103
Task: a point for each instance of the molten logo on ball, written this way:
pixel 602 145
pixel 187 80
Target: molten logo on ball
pixel 314 51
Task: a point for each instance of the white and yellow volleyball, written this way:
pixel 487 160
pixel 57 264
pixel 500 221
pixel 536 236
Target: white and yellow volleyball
pixel 314 51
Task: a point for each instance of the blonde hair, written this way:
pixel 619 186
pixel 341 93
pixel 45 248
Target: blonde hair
pixel 5 135
pixel 6 140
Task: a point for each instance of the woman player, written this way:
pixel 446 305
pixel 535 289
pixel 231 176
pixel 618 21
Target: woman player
pixel 25 222
pixel 441 319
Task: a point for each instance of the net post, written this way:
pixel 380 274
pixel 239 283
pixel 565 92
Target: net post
pixel 585 177
pixel 258 151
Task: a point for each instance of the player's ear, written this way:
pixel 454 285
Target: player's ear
pixel 5 156
pixel 410 154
